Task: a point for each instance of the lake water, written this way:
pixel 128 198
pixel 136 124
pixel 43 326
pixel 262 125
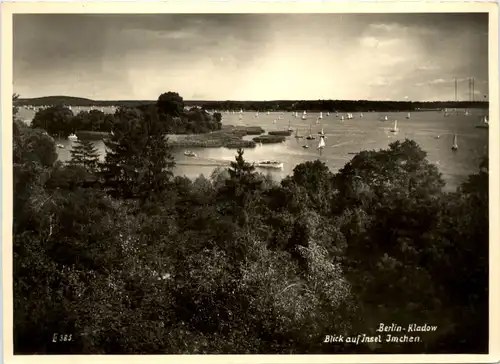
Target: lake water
pixel 342 138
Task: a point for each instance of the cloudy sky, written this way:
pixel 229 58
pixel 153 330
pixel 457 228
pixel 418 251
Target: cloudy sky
pixel 251 56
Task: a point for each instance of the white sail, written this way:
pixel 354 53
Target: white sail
pixel 361 115
pixel 322 143
pixel 455 142
pixel 395 128
pixel 342 117
pixel 327 113
pixel 320 115
pixel 408 116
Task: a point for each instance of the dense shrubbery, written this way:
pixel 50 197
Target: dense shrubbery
pixel 60 121
pixel 128 258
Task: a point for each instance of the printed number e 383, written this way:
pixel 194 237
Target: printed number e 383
pixel 57 338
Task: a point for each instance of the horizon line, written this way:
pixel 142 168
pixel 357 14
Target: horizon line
pixel 235 100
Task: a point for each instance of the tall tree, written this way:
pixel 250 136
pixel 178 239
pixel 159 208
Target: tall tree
pixel 138 160
pixel 238 190
pixel 170 103
pixel 55 120
pixel 85 154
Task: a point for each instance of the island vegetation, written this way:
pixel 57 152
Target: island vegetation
pixel 121 256
pixel 193 127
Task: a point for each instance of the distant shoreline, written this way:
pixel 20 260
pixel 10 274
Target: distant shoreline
pixel 269 105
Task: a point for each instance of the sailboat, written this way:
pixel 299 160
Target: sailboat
pixel 321 144
pixel 455 144
pixel 304 115
pixel 290 126
pixel 466 113
pixel 322 133
pixel 268 113
pixel 395 127
pixel 361 115
pixel 485 124
pixel 408 116
pixel 327 113
pixel 320 116
pixel 297 136
pixel 305 146
pixel 310 136
pixel 274 121
pixel 336 114
pixel 341 117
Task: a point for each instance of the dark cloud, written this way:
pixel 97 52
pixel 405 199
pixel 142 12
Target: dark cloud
pixel 102 53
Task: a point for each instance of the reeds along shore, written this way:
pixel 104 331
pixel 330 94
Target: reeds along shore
pixel 229 137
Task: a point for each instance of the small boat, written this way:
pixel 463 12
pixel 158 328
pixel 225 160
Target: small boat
pixel 342 117
pixel 408 116
pixel 395 127
pixel 320 116
pixel 310 136
pixel 322 133
pixel 268 113
pixel 269 164
pixel 384 118
pixel 455 144
pixel 60 146
pixel 485 124
pixel 305 146
pixel 188 153
pixel 72 137
pixel 290 129
pixel 327 113
pixel 361 115
pixel 304 115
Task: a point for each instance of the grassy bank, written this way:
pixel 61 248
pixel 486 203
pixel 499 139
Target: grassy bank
pixel 280 133
pixel 268 139
pixel 91 135
pixel 229 137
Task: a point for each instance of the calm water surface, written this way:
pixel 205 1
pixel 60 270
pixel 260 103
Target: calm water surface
pixel 342 138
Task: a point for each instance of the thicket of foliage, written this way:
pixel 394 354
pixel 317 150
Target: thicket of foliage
pixel 59 120
pixel 141 261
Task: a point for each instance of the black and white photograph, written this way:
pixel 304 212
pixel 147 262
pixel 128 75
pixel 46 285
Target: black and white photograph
pixel 251 182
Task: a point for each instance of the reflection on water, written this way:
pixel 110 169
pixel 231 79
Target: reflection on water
pixel 431 130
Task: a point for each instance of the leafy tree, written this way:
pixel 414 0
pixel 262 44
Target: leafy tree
pixel 138 162
pixel 55 120
pixel 170 103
